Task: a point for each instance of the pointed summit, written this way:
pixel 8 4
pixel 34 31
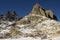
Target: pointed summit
pixel 38 10
pixel 36 6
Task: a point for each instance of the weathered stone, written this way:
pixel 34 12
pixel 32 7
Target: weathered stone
pixel 9 16
pixel 38 10
pixel 50 14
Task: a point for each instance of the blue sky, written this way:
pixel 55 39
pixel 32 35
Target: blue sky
pixel 24 7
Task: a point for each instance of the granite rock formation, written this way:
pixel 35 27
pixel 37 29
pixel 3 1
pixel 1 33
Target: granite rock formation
pixel 39 24
pixel 38 10
pixel 9 16
pixel 38 14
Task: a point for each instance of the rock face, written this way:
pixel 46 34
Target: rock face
pixel 38 10
pixel 38 24
pixel 9 16
pixel 14 16
pixel 38 14
pixel 50 15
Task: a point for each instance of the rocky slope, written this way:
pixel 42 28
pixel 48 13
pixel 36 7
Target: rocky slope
pixel 40 24
pixel 38 14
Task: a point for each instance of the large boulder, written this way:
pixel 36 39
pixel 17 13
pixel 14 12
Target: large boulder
pixel 50 15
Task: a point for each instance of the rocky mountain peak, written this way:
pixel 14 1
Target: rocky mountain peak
pixel 37 26
pixel 11 16
pixel 38 10
pixel 38 14
pixel 14 13
pixel 36 6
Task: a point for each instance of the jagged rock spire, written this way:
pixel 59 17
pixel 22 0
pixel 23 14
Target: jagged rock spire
pixel 50 15
pixel 13 13
pixel 14 16
pixel 38 10
pixel 8 14
pixel 37 6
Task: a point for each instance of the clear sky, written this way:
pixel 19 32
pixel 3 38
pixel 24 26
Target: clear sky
pixel 23 7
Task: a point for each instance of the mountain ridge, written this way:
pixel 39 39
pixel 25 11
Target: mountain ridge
pixel 37 9
pixel 37 12
pixel 37 24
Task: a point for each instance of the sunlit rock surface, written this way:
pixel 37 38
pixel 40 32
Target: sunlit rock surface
pixel 40 24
